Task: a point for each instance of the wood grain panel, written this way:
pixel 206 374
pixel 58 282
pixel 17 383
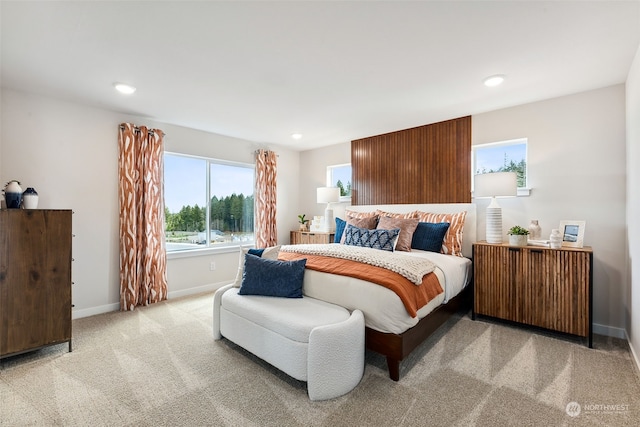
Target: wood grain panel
pixel 35 279
pixel 426 164
pixel 308 237
pixel 548 288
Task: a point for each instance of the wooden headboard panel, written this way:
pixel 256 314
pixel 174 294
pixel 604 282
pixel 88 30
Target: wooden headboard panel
pixel 426 164
pixel 469 234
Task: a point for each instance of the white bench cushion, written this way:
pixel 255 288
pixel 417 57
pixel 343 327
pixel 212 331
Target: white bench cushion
pixel 293 318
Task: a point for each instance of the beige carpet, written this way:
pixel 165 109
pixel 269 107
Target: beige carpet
pixel 160 366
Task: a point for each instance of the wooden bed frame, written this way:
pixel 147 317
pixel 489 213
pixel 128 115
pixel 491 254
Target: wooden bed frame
pixel 398 346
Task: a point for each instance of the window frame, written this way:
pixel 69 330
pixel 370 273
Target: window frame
pixel 522 191
pixel 209 248
pixel 330 182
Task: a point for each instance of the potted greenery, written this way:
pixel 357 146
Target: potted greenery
pixel 518 236
pixel 304 223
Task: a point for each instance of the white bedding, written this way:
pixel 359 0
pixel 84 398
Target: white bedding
pixel 382 308
pixel 457 271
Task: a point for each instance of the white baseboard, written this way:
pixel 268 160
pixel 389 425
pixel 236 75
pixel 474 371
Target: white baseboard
pixel 196 290
pixel 633 352
pixel 609 331
pixel 92 311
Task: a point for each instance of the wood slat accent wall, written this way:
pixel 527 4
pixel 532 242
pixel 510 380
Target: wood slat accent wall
pixel 426 164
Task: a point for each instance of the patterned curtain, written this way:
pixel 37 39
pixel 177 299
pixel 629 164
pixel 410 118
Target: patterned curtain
pixel 143 260
pixel 265 200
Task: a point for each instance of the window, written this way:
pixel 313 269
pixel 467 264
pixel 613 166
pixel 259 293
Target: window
pixel 340 176
pixel 208 202
pixel 505 156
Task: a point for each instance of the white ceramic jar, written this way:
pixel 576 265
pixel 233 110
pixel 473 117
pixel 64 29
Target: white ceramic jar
pixel 30 198
pixel 555 239
pixel 535 232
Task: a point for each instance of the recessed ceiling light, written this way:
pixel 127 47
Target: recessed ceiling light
pixel 296 135
pixel 494 80
pixel 124 88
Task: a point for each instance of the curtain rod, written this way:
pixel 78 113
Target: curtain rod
pixel 151 131
pixel 258 152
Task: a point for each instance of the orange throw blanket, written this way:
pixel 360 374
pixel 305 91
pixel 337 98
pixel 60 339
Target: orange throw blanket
pixel 413 296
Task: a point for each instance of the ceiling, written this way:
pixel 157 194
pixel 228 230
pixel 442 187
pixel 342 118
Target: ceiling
pixel 333 71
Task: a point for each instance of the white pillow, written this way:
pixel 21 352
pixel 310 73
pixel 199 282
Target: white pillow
pixel 269 253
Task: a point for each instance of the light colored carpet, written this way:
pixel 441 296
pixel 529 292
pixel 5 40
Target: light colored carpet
pixel 160 366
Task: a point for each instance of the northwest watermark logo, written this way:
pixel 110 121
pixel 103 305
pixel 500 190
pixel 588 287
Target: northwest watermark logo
pixel 573 409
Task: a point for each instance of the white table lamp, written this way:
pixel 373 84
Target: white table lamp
pixel 495 184
pixel 328 195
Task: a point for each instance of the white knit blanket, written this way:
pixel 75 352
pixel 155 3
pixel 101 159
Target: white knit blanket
pixel 413 268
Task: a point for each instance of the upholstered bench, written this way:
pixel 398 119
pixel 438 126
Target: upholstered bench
pixel 308 339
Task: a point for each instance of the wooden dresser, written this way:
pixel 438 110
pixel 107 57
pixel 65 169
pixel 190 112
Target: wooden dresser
pixel 538 286
pixel 300 237
pixel 35 279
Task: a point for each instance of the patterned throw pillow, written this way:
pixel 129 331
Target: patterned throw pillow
pixel 269 253
pixel 452 244
pixel 376 239
pixel 429 236
pixel 406 225
pixel 368 222
pixel 413 214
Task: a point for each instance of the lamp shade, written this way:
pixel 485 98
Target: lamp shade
pixel 328 195
pixel 496 184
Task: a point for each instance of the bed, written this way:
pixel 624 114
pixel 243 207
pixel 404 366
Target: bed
pixel 390 329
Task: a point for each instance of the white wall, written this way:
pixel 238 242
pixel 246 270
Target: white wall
pixel 577 171
pixel 632 300
pixel 313 164
pixel 68 153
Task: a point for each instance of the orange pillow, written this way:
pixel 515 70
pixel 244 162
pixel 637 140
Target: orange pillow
pixel 413 214
pixel 452 243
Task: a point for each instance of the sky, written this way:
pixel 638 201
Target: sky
pixel 185 181
pixel 343 174
pixel 492 158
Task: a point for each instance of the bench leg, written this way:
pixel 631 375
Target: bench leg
pixel 335 362
pixel 217 302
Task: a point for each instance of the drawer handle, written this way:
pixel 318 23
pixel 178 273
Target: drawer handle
pixel 514 249
pixel 537 251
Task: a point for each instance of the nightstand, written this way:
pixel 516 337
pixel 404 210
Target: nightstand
pixel 537 286
pixel 301 237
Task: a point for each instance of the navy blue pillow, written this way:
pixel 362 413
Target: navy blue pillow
pixel 429 236
pixel 375 239
pixel 340 225
pixel 273 278
pixel 256 252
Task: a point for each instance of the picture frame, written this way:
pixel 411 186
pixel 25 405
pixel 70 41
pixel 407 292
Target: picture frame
pixel 572 233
